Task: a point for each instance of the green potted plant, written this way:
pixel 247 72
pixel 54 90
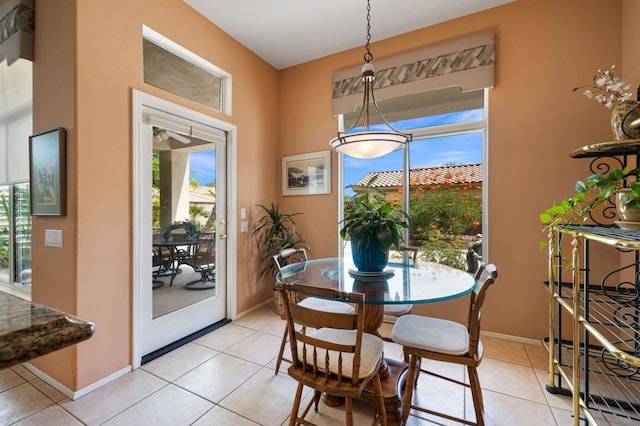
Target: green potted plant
pixel 374 224
pixel 275 231
pixel 597 190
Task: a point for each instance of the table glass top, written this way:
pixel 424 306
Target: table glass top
pixel 400 283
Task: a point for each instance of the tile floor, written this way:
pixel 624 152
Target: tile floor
pixel 227 378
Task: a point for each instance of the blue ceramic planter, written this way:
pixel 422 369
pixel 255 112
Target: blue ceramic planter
pixel 369 258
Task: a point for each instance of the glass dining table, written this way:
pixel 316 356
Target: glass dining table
pixel 399 283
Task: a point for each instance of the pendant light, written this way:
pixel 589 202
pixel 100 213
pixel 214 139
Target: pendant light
pixel 369 143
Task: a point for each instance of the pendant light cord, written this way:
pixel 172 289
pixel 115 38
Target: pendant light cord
pixel 368 56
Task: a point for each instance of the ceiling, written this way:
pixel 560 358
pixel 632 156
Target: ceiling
pixel 289 32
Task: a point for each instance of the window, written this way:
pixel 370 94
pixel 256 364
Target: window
pixel 15 221
pixel 15 236
pixel 174 69
pixel 443 191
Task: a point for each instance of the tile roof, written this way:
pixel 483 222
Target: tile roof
pixel 455 174
pixel 202 195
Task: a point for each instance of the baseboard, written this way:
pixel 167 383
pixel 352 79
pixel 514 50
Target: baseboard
pixel 255 308
pixel 73 395
pixel 518 339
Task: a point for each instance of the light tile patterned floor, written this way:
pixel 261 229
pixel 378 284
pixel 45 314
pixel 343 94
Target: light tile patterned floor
pixel 227 378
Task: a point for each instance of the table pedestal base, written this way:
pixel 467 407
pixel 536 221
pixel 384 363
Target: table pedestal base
pixel 393 369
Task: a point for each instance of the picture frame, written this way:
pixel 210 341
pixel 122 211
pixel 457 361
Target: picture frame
pixel 47 173
pixel 307 174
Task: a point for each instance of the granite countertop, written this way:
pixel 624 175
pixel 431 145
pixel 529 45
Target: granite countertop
pixel 29 330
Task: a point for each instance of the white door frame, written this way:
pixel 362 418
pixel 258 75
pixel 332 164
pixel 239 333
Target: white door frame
pixel 142 208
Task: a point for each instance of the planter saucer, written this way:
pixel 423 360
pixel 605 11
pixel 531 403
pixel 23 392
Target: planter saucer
pixel 628 226
pixel 385 273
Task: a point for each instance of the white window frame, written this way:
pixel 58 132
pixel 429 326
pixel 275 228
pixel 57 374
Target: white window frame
pixel 432 132
pixel 187 55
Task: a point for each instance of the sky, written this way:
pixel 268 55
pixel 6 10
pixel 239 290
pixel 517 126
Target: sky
pixel 457 149
pixel 202 166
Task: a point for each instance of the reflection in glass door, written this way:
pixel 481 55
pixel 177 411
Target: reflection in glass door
pixel 183 221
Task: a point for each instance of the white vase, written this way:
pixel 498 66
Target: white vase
pixel 627 212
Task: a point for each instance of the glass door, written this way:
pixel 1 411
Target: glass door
pixel 184 229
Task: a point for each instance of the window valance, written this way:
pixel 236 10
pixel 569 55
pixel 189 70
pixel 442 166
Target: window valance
pixel 466 62
pixel 16 30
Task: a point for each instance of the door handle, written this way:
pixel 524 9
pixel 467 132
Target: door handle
pixel 223 236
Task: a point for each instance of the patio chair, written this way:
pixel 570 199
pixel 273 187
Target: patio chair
pixel 203 260
pixel 337 358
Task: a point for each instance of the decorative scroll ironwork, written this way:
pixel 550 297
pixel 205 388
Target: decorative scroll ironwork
pixel 618 366
pixel 603 165
pixel 624 292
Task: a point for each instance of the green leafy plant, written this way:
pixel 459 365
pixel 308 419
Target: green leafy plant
pixel 590 195
pixel 596 191
pixel 275 231
pixel 369 216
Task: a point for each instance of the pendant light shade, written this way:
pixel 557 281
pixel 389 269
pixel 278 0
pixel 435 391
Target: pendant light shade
pixel 368 143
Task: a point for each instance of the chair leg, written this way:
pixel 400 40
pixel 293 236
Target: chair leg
pixel 316 398
pixel 281 352
pixel 412 374
pixel 476 393
pixel 348 408
pixel 293 419
pixel 377 386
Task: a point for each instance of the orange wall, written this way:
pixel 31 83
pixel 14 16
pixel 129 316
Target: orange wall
pixel 88 59
pixel 544 48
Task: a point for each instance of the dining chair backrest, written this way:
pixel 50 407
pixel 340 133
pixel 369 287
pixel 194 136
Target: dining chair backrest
pixel 485 279
pixel 312 352
pixel 288 256
pixel 412 253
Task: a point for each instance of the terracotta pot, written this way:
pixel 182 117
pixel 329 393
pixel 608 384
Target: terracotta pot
pixel 628 212
pixel 621 117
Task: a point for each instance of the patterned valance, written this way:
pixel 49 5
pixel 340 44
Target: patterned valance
pixel 466 62
pixel 16 30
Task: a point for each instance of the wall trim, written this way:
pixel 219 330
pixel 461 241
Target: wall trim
pixel 525 340
pixel 73 395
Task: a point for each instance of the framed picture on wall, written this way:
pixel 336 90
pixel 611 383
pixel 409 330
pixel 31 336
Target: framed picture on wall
pixel 47 171
pixel 307 174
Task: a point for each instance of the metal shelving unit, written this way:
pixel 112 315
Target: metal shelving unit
pixel 594 320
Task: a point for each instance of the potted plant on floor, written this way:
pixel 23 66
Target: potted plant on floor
pixel 374 224
pixel 275 231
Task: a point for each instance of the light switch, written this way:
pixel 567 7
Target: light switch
pixel 244 226
pixel 243 213
pixel 53 237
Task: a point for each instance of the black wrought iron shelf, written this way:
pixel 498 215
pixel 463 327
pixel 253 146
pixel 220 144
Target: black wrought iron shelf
pixel 611 394
pixel 608 312
pixel 594 337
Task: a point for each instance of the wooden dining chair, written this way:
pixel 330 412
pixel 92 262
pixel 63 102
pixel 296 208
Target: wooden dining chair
pixel 447 341
pixel 337 357
pixel 286 257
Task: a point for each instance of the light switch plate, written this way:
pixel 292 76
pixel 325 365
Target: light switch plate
pixel 53 237
pixel 244 226
pixel 243 213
